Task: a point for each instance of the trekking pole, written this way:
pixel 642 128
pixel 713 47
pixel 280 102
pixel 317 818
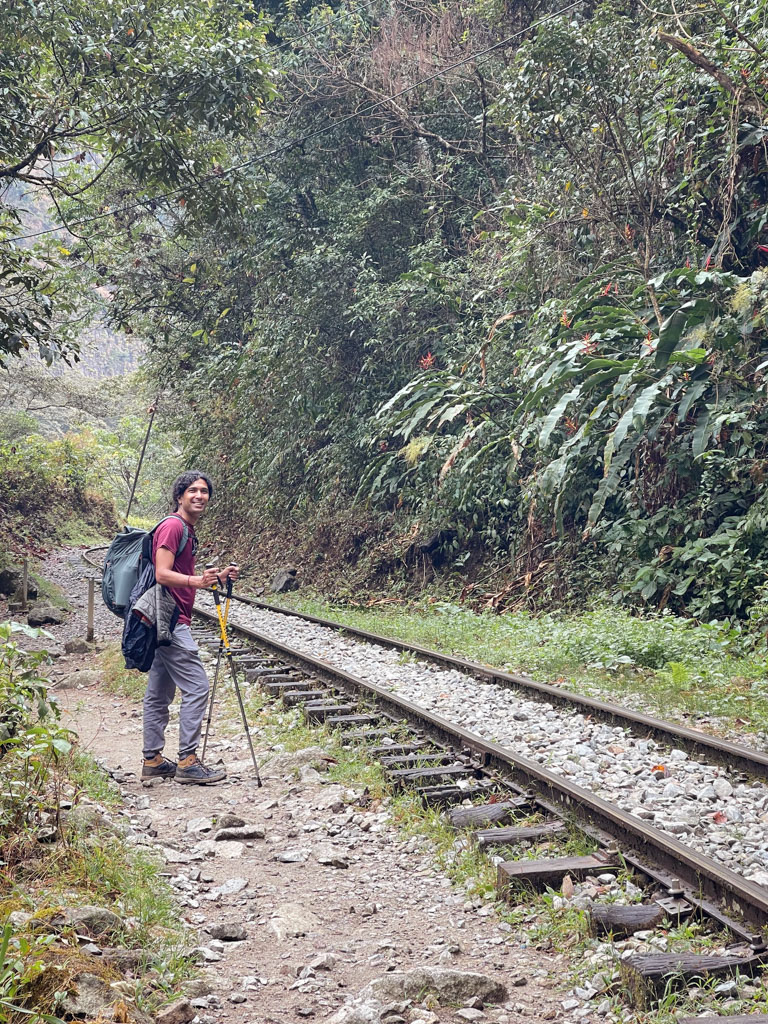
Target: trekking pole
pixel 226 650
pixel 215 676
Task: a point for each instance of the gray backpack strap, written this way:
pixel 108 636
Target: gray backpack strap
pixel 185 531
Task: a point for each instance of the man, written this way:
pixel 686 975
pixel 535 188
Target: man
pixel 179 665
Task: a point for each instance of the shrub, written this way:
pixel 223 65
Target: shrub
pixel 31 738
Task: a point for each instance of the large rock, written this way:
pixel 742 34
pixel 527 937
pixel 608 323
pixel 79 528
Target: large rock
pixel 88 996
pixel 240 833
pixel 71 680
pixel 358 1013
pixel 229 820
pixel 123 960
pixel 84 818
pixel 331 856
pixel 227 931
pixel 449 986
pixel 286 763
pixel 180 1012
pixel 76 646
pixel 291 920
pixel 95 921
pixel 10 580
pixel 45 615
pixel 284 580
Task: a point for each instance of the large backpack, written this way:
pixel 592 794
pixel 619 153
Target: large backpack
pixel 127 557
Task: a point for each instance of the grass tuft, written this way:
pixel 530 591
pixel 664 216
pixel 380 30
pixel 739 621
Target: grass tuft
pixel 117 678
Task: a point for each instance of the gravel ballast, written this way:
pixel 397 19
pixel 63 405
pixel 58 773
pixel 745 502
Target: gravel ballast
pixel 717 814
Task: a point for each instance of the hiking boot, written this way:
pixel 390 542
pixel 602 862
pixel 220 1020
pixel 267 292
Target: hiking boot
pixel 196 772
pixel 158 768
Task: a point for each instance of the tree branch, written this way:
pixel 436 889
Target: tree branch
pixel 701 61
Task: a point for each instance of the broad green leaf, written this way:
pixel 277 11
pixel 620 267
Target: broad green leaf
pixel 701 433
pixel 610 482
pixel 689 314
pixel 693 394
pixel 554 417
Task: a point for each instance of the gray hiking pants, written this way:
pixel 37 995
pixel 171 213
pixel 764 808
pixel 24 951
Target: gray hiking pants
pixel 176 665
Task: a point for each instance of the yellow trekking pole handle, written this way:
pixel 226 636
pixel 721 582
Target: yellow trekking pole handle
pixel 222 619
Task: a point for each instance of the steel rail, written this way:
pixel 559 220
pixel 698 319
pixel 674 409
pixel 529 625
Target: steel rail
pixel 718 890
pixel 89 561
pixel 732 755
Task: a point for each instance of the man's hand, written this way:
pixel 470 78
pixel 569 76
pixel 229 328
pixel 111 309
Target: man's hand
pixel 210 576
pixel 231 572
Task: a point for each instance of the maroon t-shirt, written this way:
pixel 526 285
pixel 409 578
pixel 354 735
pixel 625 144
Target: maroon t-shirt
pixel 168 535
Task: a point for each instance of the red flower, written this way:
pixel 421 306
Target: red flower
pixel 565 319
pixel 427 362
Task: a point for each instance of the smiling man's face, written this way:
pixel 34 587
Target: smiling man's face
pixel 194 500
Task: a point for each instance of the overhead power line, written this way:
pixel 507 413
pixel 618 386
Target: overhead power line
pixel 301 140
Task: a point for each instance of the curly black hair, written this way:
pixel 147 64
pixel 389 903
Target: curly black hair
pixel 181 483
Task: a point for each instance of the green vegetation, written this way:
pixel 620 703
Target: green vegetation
pixel 55 854
pixel 31 739
pixel 483 300
pixel 48 490
pixel 514 318
pixel 71 462
pixel 105 110
pixel 117 678
pixel 466 866
pixel 671 665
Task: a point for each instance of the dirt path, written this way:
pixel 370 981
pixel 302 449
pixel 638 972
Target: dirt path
pixel 330 899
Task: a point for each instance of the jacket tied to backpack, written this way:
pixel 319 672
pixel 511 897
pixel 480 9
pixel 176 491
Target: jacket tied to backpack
pixel 149 624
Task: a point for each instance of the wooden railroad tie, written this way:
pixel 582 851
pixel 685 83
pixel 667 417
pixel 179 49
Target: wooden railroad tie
pixel 396 748
pixel 264 675
pixel 289 683
pixel 402 776
pixel 550 872
pixel 648 976
pixel 620 921
pixel 508 835
pixel 320 711
pixel 502 812
pixel 456 767
pixel 363 735
pixel 293 697
pixel 345 721
pixel 441 796
pixel 414 759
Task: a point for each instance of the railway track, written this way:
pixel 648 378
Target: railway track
pixel 488 788
pixel 718 751
pixel 492 790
